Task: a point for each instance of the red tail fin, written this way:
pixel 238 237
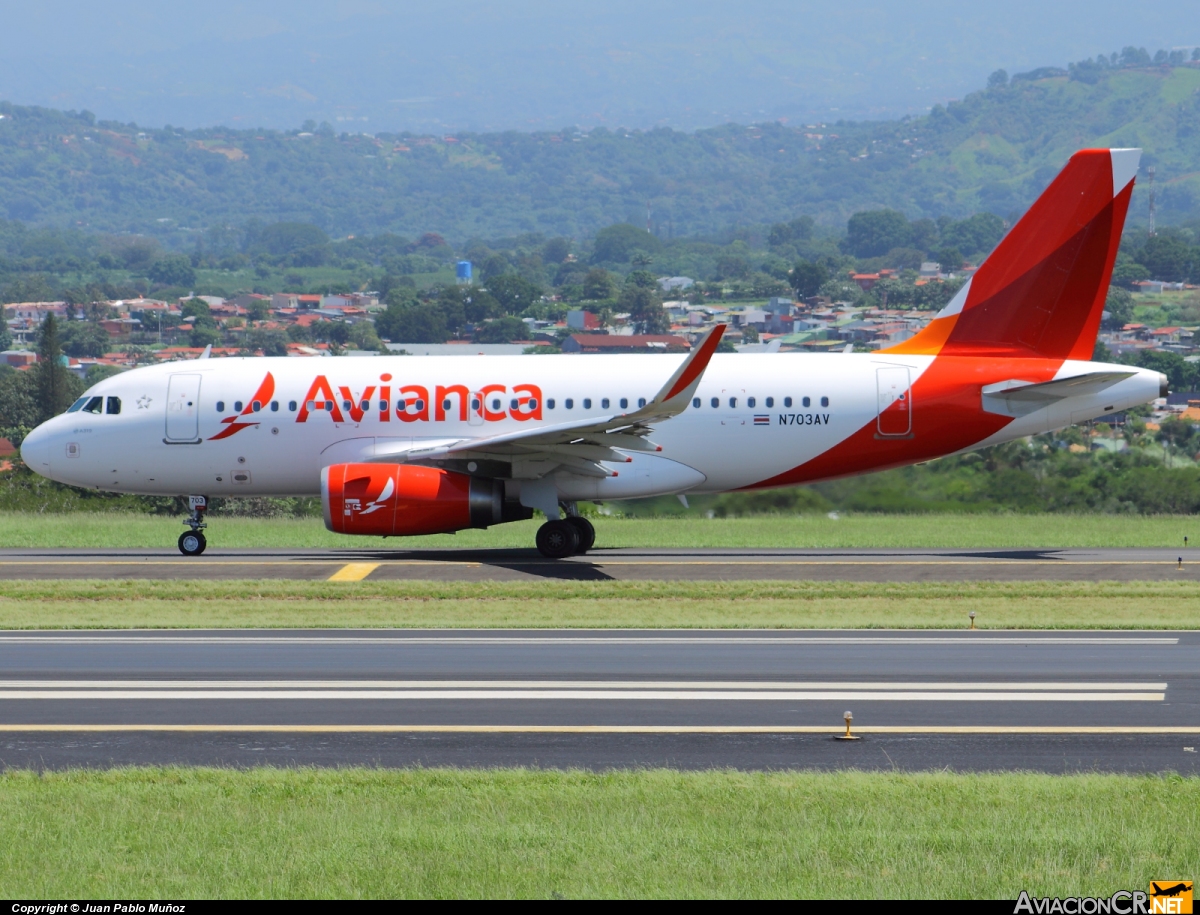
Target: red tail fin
pixel 1041 292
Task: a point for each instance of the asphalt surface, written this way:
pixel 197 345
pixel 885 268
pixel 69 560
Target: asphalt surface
pixel 1051 701
pixel 612 564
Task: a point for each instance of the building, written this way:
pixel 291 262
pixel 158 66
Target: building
pixel 630 343
pixel 578 319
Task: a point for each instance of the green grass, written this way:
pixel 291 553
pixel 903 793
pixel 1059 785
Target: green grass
pixel 614 604
pixel 201 833
pixel 87 530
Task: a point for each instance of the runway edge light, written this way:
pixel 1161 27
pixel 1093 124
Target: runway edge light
pixel 847 717
pixel 972 616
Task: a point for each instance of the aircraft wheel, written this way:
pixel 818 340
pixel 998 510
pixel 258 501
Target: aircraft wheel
pixel 587 533
pixel 192 543
pixel 557 539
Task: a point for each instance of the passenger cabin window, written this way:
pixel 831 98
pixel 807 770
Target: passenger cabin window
pixel 274 406
pixel 550 404
pixel 787 401
pixel 805 402
pixel 112 406
pixel 569 403
pixel 237 405
pixel 624 402
pixel 824 401
pixel 732 402
pixel 587 403
pixel 770 401
pixel 292 406
pixel 604 403
pixel 641 401
pixel 750 402
pixel 255 406
pixel 220 406
pixel 716 402
pixel 94 405
pixel 696 402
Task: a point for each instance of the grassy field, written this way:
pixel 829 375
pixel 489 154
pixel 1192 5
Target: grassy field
pixel 601 605
pixel 849 531
pixel 198 833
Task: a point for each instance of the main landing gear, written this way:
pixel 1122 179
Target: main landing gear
pixel 192 543
pixel 569 536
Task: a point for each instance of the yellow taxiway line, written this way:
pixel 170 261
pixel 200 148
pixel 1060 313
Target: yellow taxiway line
pixel 584 729
pixel 354 571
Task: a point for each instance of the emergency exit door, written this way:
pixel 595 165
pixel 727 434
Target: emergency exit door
pixel 183 408
pixel 895 401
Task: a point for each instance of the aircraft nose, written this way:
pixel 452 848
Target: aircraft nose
pixel 35 450
pixel 1164 385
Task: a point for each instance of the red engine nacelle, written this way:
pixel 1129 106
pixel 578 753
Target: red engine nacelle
pixel 403 499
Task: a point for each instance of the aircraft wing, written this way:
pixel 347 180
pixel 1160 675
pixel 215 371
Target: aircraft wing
pixel 1019 398
pixel 581 446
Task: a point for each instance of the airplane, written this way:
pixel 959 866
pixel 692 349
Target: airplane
pixel 409 445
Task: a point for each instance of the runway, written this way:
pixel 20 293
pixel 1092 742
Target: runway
pixel 1054 701
pixel 609 564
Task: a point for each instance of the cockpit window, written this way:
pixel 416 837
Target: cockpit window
pixel 113 406
pixel 94 405
pixel 78 405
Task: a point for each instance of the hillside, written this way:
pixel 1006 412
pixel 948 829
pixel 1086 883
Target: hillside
pixel 993 150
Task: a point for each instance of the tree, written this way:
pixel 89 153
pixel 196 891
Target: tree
pixel 951 259
pixel 644 305
pixel 998 79
pixel 1119 305
pixel 875 232
pixel 1128 272
pixel 6 340
pixel 202 336
pixel 172 270
pixel 977 234
pixel 271 342
pixel 1168 257
pixel 502 330
pixel 555 251
pixel 420 324
pixel 57 388
pixel 98 372
pixel 807 277
pixel 599 284
pixel 84 338
pixel 616 244
pixel 515 294
pixel 19 410
pixel 363 336
pixel 331 331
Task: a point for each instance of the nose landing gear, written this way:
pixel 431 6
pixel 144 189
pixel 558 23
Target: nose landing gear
pixel 192 543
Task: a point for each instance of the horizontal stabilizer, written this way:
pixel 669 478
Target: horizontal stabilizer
pixel 1020 398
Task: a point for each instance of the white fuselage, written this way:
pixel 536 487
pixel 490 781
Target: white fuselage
pixel 773 412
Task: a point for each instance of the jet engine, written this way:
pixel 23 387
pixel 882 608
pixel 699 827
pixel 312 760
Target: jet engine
pixel 405 499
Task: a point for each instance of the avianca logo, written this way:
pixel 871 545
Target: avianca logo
pixel 261 398
pixel 414 404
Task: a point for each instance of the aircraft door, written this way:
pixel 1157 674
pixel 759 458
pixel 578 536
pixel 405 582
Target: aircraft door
pixel 183 408
pixel 475 414
pixel 895 401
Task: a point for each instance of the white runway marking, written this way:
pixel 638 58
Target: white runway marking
pixel 979 639
pixel 1002 686
pixel 581 691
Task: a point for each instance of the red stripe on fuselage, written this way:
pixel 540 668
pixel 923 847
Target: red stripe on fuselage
pixel 948 416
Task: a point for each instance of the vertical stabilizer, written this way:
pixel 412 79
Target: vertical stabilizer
pixel 1041 292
